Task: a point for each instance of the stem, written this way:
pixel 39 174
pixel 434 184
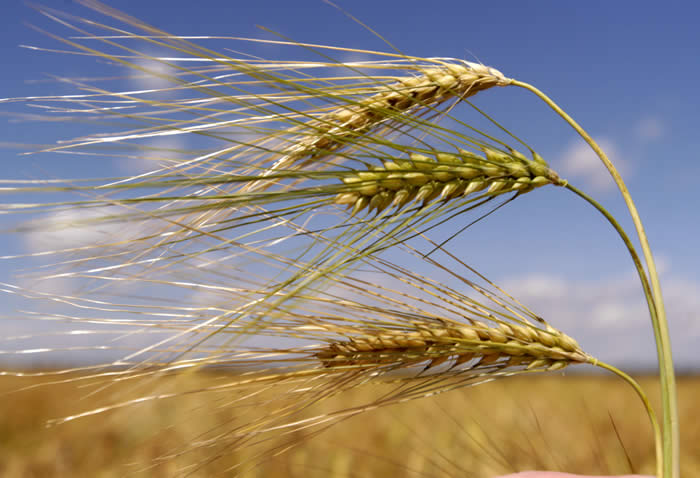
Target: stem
pixel 658 445
pixel 630 247
pixel 669 399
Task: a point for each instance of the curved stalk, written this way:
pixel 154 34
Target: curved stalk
pixel 671 435
pixel 630 248
pixel 658 445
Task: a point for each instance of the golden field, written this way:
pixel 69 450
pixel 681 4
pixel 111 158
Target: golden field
pixel 575 423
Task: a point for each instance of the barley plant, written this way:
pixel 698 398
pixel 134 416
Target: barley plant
pixel 276 247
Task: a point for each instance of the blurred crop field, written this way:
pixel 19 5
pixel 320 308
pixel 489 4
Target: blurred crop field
pixel 575 423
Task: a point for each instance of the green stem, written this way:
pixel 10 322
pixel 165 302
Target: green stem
pixel 630 247
pixel 658 445
pixel 671 435
pixel 652 311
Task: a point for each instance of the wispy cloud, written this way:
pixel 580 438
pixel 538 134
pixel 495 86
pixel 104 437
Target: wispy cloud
pixel 650 128
pixel 156 80
pixel 81 228
pixel 158 152
pixel 155 75
pixel 79 236
pixel 581 163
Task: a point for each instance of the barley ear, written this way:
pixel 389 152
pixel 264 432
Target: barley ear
pixel 433 87
pixel 444 176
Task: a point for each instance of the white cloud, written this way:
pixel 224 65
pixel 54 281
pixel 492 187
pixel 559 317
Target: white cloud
pixel 155 75
pixel 650 128
pixel 581 163
pixel 80 237
pixel 162 152
pixel 541 287
pixel 78 228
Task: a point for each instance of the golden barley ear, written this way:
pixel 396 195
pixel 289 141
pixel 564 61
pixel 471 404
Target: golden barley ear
pixel 515 344
pixel 413 95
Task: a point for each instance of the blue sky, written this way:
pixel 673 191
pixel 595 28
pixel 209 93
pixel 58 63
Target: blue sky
pixel 627 71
